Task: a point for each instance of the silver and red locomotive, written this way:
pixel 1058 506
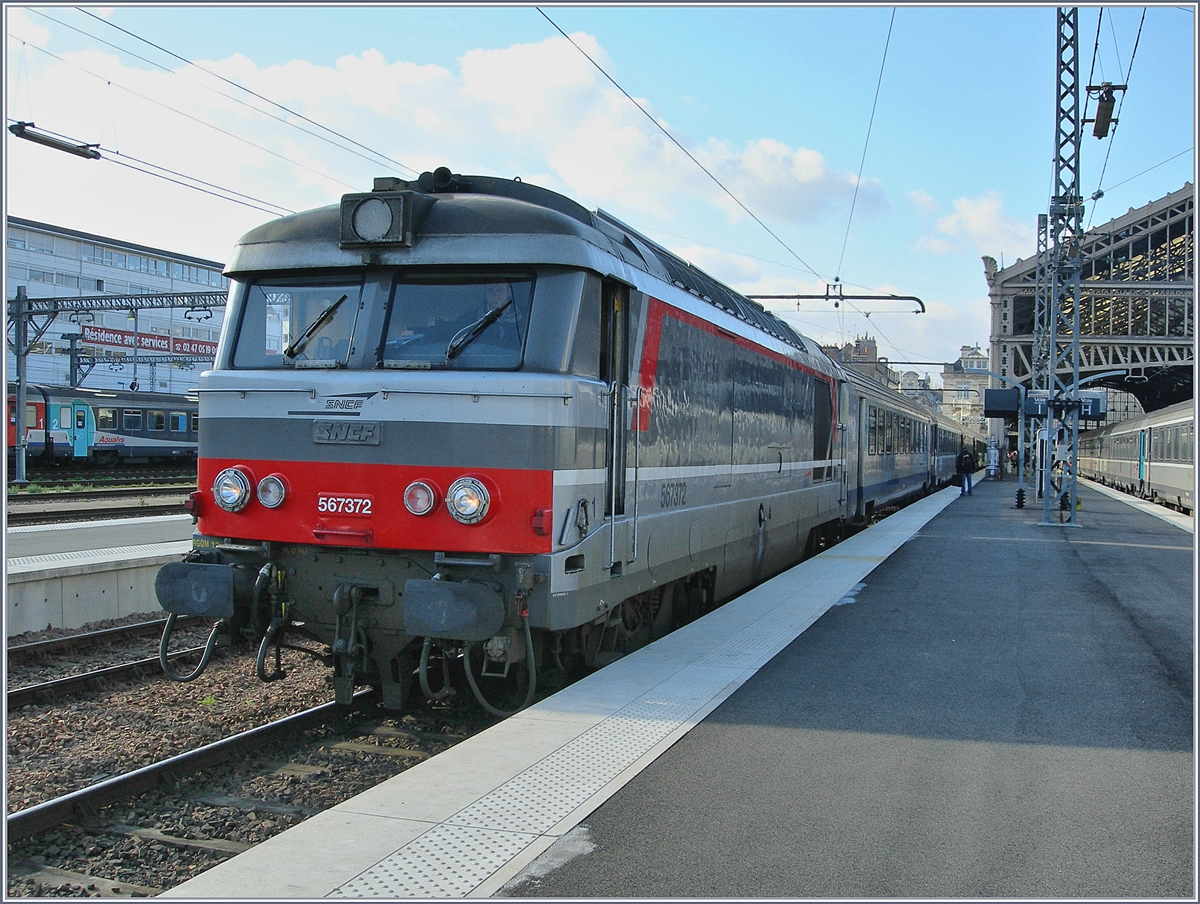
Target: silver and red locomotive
pixel 465 420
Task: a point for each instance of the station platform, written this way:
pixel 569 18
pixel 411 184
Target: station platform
pixel 960 701
pixel 67 575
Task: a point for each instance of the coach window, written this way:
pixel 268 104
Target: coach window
pixel 64 417
pixel 872 446
pixel 195 421
pixel 156 420
pixel 179 422
pixel 131 420
pixel 889 427
pixel 106 418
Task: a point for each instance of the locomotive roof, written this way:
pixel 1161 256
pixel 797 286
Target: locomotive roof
pixel 530 225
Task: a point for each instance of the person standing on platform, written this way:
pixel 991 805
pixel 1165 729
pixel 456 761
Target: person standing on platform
pixel 965 465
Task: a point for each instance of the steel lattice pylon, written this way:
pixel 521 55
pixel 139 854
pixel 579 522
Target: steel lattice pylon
pixel 1059 443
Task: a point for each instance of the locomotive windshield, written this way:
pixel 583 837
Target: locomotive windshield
pixel 470 322
pixel 290 324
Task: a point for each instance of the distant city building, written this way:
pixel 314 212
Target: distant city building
pixel 920 389
pixel 963 383
pixel 862 355
pixel 56 262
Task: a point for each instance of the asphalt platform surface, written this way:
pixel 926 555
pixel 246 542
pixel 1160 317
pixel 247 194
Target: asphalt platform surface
pixel 1003 709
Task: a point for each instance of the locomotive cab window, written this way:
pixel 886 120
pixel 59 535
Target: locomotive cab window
pixel 297 323
pixel 457 321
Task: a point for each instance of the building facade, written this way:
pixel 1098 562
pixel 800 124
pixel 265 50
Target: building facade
pixel 963 383
pixel 863 356
pixel 56 262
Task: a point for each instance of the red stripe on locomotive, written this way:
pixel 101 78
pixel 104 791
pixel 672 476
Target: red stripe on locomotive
pixel 518 499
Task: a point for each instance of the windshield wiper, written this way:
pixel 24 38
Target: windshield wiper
pixel 469 334
pixel 297 344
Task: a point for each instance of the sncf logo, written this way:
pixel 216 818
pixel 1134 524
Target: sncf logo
pixel 361 433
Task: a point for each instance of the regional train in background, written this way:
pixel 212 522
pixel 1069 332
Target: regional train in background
pixel 1152 456
pixel 463 428
pixel 103 427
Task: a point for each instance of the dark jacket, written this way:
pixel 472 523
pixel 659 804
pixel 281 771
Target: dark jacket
pixel 966 463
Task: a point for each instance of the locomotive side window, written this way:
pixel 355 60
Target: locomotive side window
pixel 457 321
pixel 294 323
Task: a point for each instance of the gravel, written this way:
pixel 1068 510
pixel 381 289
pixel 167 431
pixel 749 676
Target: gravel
pixel 56 748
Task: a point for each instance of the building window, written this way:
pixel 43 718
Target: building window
pixel 40 243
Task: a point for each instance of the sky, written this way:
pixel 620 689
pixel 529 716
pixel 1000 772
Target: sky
pixel 783 149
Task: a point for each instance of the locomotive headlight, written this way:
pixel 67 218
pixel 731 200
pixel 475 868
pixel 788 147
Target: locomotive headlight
pixel 231 490
pixel 272 491
pixel 467 500
pixel 420 498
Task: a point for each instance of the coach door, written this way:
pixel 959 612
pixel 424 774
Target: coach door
pixel 614 371
pixel 82 429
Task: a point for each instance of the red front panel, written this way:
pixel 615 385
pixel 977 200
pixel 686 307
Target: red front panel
pixel 362 505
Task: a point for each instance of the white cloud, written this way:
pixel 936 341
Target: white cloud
pixel 979 225
pixel 539 110
pixel 923 201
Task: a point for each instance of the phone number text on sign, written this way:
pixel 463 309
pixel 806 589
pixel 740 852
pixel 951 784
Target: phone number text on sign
pixel 359 506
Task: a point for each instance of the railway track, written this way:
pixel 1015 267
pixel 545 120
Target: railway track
pixel 97 670
pixel 84 803
pixel 144 831
pixel 57 688
pixel 83 639
pixel 87 505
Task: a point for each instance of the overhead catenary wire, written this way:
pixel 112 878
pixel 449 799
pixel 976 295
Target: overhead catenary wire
pixel 251 92
pixel 229 97
pixel 863 162
pixel 673 140
pixel 208 188
pixel 1116 118
pixel 195 119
